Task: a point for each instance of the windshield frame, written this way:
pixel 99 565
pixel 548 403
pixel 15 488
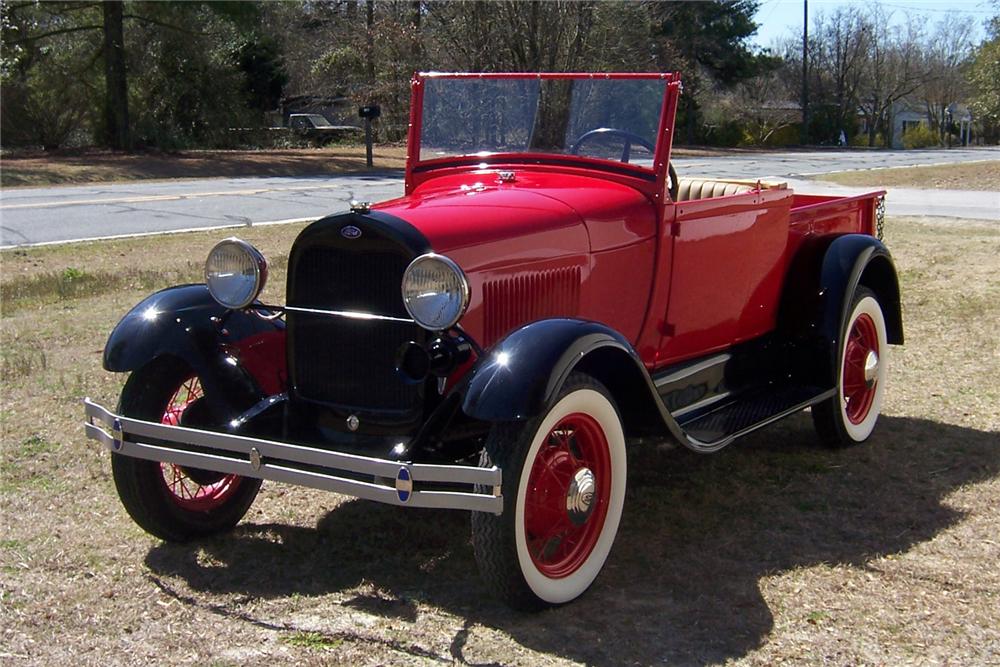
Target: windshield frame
pixel 655 176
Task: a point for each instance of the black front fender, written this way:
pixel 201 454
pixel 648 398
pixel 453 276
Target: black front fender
pixel 522 373
pixel 185 322
pixel 521 376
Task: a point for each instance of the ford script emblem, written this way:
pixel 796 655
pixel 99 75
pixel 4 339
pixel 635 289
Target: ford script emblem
pixel 350 232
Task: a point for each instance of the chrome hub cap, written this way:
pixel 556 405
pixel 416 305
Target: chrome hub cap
pixel 871 368
pixel 580 496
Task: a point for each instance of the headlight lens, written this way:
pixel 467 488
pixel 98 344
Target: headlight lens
pixel 235 273
pixel 435 292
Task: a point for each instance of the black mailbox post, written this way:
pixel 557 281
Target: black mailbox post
pixel 368 113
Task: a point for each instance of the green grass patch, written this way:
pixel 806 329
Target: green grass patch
pixel 19 465
pixel 817 617
pixel 16 363
pixel 73 283
pixel 312 640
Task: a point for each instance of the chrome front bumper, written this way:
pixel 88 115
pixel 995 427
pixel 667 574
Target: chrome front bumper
pixel 295 464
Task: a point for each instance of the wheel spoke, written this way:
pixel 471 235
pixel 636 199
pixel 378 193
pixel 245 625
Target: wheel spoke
pixel 183 489
pixel 854 386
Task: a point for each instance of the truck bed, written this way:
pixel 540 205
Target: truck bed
pixel 822 214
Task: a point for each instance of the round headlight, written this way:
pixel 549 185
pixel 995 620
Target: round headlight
pixel 435 292
pixel 235 273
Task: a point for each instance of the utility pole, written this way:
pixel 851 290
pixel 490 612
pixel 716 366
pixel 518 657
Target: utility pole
pixel 805 72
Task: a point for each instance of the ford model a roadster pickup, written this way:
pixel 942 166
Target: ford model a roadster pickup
pixel 546 291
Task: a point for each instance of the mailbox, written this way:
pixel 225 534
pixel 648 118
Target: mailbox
pixel 373 111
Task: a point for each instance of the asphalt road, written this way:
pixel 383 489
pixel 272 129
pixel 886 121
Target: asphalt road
pixel 32 216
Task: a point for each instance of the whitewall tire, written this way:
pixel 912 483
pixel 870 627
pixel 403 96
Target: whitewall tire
pixel 862 373
pixel 564 491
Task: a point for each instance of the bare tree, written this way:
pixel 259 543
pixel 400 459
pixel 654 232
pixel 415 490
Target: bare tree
pixel 894 70
pixel 947 53
pixel 839 55
pixel 764 105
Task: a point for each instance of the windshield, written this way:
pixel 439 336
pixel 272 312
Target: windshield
pixel 611 119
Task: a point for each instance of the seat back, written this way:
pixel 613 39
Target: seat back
pixel 703 188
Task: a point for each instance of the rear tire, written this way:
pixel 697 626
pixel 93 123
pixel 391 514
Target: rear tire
pixel 849 417
pixel 563 489
pixel 169 501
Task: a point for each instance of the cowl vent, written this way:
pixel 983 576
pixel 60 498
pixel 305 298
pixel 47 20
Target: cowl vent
pixel 511 302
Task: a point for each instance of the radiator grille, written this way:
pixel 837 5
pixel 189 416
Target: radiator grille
pixel 346 362
pixel 511 302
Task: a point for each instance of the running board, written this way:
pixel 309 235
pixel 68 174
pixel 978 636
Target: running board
pixel 716 428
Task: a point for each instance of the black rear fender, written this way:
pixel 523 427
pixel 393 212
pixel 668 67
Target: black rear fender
pixel 815 304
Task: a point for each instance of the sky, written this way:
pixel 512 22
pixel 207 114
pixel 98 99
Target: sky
pixel 780 18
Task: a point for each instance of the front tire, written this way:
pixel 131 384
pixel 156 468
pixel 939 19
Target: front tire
pixel 169 501
pixel 862 370
pixel 564 490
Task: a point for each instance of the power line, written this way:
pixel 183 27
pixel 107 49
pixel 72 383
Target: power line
pixel 938 9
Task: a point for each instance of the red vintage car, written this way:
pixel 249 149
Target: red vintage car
pixel 547 291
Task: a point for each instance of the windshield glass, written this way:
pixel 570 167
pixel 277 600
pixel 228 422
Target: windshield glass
pixel 612 119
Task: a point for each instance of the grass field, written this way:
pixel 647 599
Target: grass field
pixel 960 176
pixel 773 551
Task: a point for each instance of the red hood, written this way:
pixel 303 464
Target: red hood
pixel 540 215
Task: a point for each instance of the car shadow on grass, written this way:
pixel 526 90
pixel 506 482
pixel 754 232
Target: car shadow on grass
pixel 682 584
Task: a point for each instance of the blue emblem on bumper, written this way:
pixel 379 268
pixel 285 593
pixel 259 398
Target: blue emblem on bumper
pixel 404 484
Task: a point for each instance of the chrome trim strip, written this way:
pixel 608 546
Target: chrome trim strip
pixel 350 314
pixel 693 369
pixel 260 407
pixel 277 461
pixel 705 402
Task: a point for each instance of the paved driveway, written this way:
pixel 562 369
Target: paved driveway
pixel 30 216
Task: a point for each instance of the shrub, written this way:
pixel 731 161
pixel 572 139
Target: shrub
pixel 861 140
pixel 920 136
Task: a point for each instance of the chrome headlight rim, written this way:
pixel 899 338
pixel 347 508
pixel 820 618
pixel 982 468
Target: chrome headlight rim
pixel 257 260
pixel 465 292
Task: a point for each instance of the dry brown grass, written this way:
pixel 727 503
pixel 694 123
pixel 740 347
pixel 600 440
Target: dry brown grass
pixel 94 166
pixel 40 169
pixel 964 176
pixel 773 551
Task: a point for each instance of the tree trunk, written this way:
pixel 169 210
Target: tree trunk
pixel 690 116
pixel 370 39
pixel 552 118
pixel 418 48
pixel 116 86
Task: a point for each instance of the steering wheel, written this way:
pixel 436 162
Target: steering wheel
pixel 628 138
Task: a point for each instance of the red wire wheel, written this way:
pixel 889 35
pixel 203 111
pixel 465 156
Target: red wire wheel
pixel 858 392
pixel 569 487
pixel 190 489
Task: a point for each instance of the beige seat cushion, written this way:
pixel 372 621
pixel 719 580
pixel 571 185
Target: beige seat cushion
pixel 703 188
